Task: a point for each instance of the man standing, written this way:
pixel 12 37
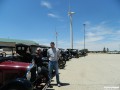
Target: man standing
pixel 53 55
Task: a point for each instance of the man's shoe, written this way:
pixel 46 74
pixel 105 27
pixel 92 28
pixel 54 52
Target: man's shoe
pixel 59 85
pixel 50 86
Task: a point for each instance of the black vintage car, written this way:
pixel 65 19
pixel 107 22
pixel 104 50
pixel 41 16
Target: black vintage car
pixel 74 53
pixel 68 54
pixel 63 58
pixel 27 54
pixel 83 53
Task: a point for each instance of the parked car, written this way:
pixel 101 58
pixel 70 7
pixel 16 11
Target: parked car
pixel 27 51
pixel 20 76
pixel 65 54
pixel 63 58
pixel 68 53
pixel 82 53
pixel 2 52
pixel 74 53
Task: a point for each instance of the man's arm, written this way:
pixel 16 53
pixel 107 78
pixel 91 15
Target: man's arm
pixel 48 55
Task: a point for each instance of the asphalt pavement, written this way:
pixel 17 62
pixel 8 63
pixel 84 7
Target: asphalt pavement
pixel 93 72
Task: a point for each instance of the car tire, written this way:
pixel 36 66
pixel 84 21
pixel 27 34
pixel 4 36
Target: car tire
pixel 64 62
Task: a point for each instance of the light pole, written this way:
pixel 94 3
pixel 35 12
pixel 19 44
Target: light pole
pixel 71 28
pixel 84 36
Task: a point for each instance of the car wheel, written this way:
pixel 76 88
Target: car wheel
pixel 64 61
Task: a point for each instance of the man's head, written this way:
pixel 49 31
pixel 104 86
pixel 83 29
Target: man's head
pixel 38 50
pixel 52 44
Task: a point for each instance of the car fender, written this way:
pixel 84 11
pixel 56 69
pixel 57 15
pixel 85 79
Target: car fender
pixel 19 81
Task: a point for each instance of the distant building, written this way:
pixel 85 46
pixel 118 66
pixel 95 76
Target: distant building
pixel 4 43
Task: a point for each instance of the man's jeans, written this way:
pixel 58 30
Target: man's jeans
pixel 53 65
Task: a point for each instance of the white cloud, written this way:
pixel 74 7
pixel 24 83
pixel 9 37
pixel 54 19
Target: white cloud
pixel 95 46
pixel 99 36
pixel 92 46
pixel 53 15
pixel 99 32
pixel 94 39
pixel 46 4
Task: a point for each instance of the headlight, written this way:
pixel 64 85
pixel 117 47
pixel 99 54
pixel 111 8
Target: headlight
pixel 28 75
pixel 31 73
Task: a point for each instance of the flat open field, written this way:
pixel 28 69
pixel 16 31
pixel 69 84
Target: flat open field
pixel 93 72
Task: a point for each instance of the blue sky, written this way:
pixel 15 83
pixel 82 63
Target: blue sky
pixel 37 19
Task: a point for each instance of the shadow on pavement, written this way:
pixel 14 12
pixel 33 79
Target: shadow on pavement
pixel 62 84
pixel 65 84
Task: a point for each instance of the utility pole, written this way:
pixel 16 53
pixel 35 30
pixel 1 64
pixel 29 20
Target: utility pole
pixel 84 36
pixel 56 34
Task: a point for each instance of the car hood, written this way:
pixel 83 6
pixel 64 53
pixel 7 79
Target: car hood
pixel 12 65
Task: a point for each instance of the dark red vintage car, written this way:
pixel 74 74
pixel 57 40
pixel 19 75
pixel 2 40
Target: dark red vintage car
pixel 21 76
pixel 14 75
pixel 18 75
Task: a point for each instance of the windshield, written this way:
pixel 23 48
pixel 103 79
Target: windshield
pixel 88 29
